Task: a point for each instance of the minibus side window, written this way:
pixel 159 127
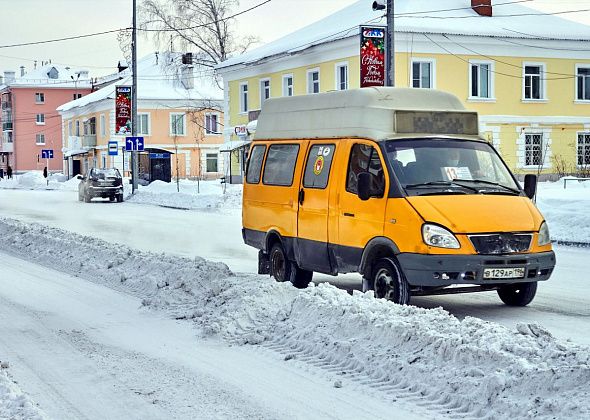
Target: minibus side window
pixel 280 164
pixel 364 158
pixel 255 164
pixel 317 168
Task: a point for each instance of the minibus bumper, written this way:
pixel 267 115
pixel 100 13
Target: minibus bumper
pixel 446 270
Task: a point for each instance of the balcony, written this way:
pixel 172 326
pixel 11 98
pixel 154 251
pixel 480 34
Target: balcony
pixel 6 147
pixel 89 140
pixel 7 126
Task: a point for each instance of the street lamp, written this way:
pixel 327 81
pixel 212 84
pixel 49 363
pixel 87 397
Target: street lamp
pixel 75 84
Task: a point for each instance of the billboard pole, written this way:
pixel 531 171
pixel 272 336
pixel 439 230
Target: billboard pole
pixel 134 156
pixel 389 42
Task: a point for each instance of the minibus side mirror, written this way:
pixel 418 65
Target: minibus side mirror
pixel 530 185
pixel 364 186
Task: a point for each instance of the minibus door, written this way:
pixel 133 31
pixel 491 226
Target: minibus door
pixel 312 227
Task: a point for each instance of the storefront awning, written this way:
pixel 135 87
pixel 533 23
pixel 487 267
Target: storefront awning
pixel 71 153
pixel 233 145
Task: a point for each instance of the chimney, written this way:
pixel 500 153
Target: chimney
pixel 482 7
pixel 187 77
pixel 22 71
pixel 9 77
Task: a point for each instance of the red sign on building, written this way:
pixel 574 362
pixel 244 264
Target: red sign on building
pixel 123 110
pixel 372 56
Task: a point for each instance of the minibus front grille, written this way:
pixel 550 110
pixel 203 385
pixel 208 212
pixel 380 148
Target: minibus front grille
pixel 502 243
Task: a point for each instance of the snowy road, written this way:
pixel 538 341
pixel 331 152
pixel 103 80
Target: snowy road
pixel 84 351
pixel 561 303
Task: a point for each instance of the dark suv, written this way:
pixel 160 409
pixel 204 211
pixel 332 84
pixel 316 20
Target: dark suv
pixel 105 183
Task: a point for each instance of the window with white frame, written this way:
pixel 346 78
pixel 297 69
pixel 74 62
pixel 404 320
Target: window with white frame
pixel 177 124
pixel 533 149
pixel 534 87
pixel 342 76
pixel 313 81
pixel 583 157
pixel 78 128
pixel 288 85
pixel 40 139
pixel 103 126
pixel 480 78
pixel 583 83
pixel 39 98
pixel 40 119
pixel 211 162
pixel 423 74
pixel 244 97
pixel 143 124
pixel 264 90
pixel 70 128
pixel 211 123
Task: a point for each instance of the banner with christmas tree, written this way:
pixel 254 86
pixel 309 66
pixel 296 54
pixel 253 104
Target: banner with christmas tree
pixel 123 110
pixel 372 55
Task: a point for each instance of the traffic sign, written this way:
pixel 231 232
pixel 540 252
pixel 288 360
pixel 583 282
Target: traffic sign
pixel 133 144
pixel 113 148
pixel 47 154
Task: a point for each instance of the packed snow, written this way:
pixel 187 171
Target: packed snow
pixel 14 404
pixel 468 368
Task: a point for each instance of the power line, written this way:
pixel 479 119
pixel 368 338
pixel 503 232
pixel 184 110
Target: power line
pixel 23 44
pixel 460 8
pixel 497 16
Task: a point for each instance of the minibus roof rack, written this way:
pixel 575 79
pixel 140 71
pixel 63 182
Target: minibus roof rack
pixel 377 113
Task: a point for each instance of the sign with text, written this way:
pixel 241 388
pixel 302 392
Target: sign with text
pixel 123 110
pixel 372 56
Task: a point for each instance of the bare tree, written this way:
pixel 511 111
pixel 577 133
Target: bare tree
pixel 204 27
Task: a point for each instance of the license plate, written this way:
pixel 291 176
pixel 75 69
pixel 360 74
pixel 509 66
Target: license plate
pixel 503 273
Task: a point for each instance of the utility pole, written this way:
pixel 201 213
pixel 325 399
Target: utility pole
pixel 390 78
pixel 134 155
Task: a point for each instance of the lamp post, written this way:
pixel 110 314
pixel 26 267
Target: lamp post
pixel 389 40
pixel 134 155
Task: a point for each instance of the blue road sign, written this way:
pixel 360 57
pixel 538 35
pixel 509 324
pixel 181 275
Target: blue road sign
pixel 47 154
pixel 133 143
pixel 113 148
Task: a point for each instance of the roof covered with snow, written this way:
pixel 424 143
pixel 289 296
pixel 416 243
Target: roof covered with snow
pixel 51 75
pixel 510 20
pixel 159 77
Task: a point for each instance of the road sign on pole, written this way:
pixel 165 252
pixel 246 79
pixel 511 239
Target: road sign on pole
pixel 133 144
pixel 113 148
pixel 47 154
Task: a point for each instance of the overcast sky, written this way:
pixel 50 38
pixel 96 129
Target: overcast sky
pixel 34 20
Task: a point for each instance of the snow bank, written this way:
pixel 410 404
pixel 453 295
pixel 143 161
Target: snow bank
pixel 14 404
pixel 34 180
pixel 565 209
pixel 468 368
pixel 204 195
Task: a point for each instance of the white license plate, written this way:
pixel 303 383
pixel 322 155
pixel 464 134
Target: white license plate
pixel 503 273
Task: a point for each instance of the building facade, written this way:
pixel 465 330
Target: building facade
pixel 30 122
pixel 179 113
pixel 526 73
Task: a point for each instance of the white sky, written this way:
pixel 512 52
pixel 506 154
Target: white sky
pixel 34 20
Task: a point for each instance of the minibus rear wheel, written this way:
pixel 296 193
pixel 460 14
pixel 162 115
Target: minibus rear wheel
pixel 282 269
pixel 389 282
pixel 518 294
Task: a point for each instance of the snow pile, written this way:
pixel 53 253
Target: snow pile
pixel 34 180
pixel 204 195
pixel 468 368
pixel 14 404
pixel 565 210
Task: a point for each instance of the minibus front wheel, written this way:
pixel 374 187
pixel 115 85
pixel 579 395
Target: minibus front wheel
pixel 518 294
pixel 389 282
pixel 282 269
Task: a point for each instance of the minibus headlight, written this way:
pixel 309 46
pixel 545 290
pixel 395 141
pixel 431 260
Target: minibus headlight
pixel 544 237
pixel 438 236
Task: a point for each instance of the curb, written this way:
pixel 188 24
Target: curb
pixel 572 243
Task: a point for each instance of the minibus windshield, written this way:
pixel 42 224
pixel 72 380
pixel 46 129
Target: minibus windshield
pixel 447 166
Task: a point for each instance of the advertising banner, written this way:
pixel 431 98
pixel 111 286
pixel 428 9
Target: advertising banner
pixel 372 56
pixel 123 110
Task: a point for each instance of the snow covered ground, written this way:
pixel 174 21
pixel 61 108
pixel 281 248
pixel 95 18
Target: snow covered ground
pixel 14 404
pixel 474 358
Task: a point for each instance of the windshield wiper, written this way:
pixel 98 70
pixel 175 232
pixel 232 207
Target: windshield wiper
pixel 441 184
pixel 491 183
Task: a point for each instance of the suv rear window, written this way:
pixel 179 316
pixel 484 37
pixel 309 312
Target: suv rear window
pixel 280 164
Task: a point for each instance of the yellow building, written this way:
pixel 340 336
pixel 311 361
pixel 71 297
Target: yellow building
pixel 179 113
pixel 525 72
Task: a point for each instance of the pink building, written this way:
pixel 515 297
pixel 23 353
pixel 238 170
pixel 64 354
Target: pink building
pixel 30 122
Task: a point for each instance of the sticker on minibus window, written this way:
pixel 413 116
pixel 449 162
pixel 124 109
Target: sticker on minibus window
pixel 457 172
pixel 318 165
pixel 324 151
